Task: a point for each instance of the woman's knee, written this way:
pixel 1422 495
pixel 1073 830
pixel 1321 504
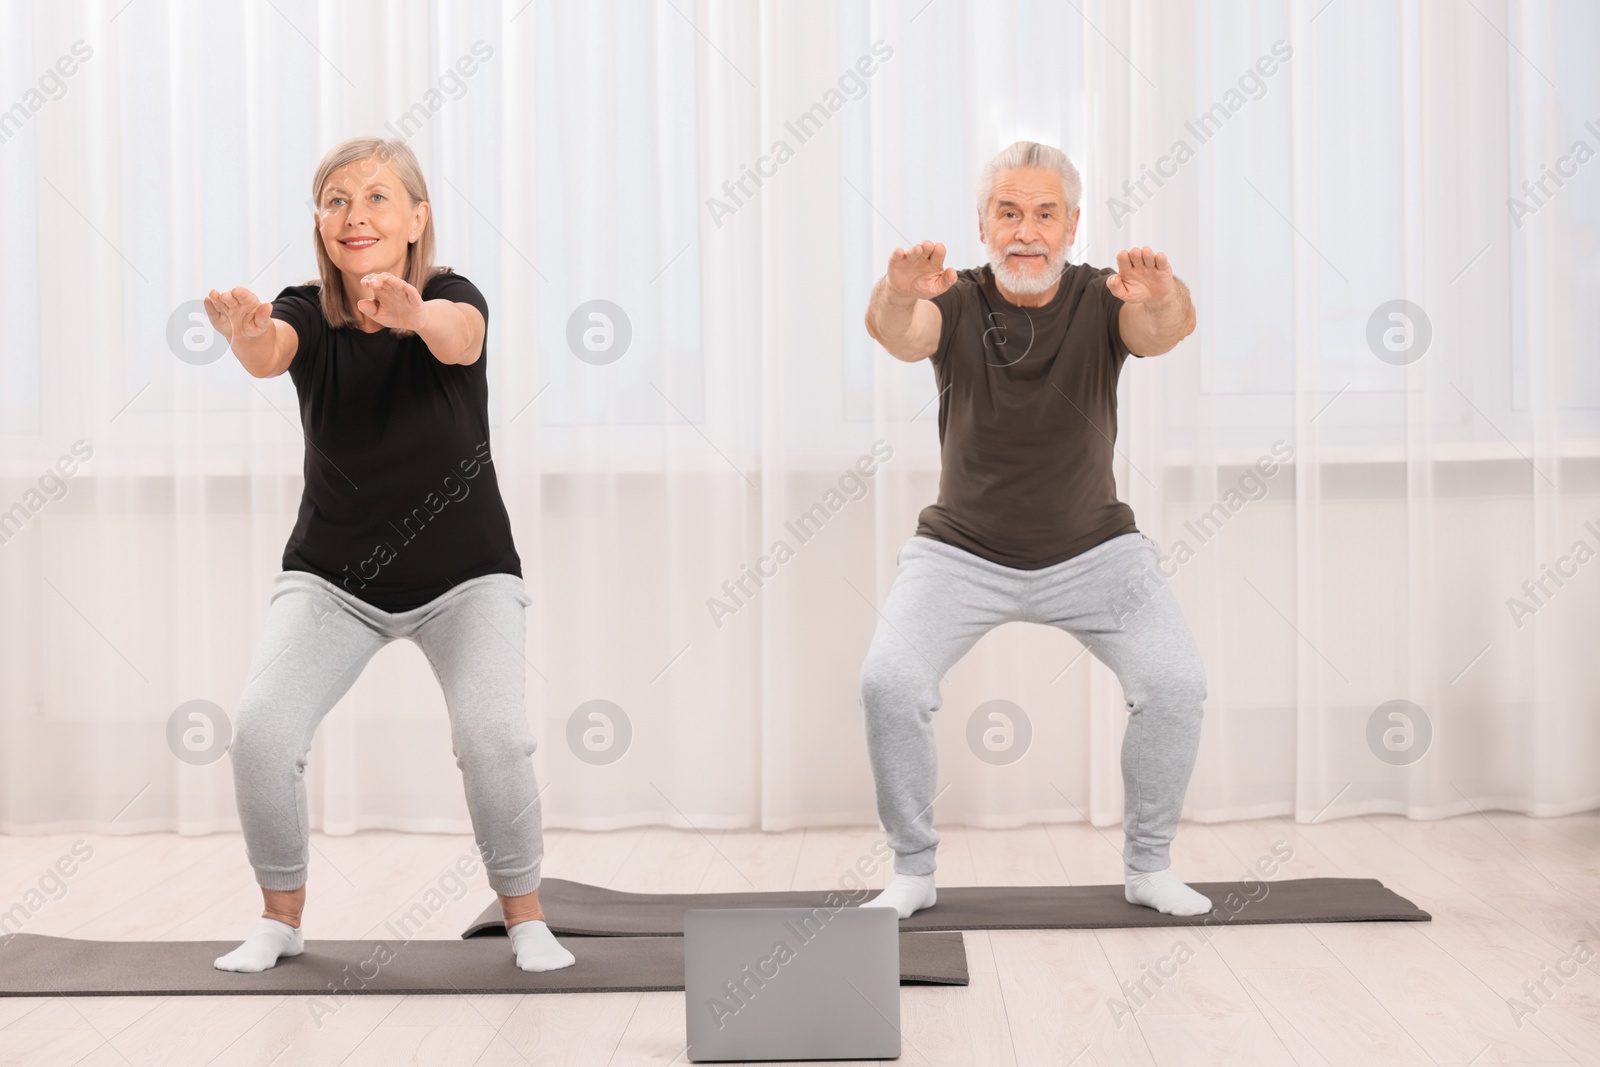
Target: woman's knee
pixel 260 745
pixel 493 738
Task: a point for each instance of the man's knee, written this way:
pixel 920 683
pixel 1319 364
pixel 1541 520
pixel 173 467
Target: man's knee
pixel 889 683
pixel 1189 683
pixel 1178 684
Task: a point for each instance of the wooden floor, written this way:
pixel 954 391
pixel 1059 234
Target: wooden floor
pixel 1510 898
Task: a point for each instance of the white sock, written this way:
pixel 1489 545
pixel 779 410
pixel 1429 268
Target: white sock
pixel 270 940
pixel 1165 892
pixel 907 893
pixel 536 948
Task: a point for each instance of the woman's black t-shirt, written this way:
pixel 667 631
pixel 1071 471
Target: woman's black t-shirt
pixel 401 501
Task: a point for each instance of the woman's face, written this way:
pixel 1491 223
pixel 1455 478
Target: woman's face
pixel 366 219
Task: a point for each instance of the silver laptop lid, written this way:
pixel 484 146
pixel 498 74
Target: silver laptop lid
pixel 791 983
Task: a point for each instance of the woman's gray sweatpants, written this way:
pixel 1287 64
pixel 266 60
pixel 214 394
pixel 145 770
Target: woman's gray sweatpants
pixel 1112 598
pixel 316 641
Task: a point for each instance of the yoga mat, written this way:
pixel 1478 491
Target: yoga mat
pixel 33 965
pixel 576 908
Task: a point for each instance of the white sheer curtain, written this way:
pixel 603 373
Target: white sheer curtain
pixel 609 152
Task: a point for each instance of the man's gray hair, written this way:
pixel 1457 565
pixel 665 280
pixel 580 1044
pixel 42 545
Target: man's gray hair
pixel 1029 154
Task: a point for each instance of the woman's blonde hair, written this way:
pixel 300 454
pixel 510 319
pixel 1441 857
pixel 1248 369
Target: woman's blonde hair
pixel 419 269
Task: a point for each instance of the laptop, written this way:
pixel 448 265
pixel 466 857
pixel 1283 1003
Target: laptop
pixel 791 983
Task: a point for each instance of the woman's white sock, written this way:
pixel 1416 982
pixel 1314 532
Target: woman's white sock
pixel 536 948
pixel 1165 892
pixel 269 941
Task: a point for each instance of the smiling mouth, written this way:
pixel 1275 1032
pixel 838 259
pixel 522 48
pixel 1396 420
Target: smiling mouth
pixel 356 244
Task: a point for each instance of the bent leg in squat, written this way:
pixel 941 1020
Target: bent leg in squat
pixel 474 640
pixel 1114 599
pixel 313 647
pixel 942 601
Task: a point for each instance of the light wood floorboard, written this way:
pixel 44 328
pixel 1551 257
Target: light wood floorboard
pixel 1511 897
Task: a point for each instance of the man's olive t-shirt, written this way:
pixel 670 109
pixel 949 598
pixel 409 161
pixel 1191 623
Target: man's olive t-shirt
pixel 401 500
pixel 1027 418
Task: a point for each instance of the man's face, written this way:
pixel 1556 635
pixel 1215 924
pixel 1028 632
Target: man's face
pixel 1028 229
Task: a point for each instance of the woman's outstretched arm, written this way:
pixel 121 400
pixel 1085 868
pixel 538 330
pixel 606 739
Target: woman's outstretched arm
pixel 453 331
pixel 264 346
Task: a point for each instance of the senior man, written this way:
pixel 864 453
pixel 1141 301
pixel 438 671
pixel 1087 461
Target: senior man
pixel 1026 351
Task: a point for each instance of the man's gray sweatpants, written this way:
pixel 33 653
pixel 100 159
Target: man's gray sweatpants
pixel 316 641
pixel 1112 598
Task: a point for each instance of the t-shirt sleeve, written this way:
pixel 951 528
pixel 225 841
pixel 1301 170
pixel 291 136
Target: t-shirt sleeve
pixel 300 307
pixel 1113 310
pixel 453 286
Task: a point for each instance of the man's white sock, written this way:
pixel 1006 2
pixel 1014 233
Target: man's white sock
pixel 536 948
pixel 261 950
pixel 1165 892
pixel 907 893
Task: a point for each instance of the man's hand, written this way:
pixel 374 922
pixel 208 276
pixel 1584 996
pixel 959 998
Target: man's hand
pixel 1142 276
pixel 918 272
pixel 1156 310
pixel 901 314
pixel 394 303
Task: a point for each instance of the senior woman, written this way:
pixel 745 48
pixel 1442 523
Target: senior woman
pixel 401 534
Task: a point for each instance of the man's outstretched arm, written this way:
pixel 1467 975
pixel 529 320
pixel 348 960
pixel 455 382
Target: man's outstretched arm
pixel 1157 312
pixel 901 316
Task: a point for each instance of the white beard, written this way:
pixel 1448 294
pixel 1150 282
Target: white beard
pixel 1027 284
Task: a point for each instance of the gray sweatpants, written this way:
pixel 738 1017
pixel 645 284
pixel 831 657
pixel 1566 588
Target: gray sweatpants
pixel 1112 598
pixel 316 641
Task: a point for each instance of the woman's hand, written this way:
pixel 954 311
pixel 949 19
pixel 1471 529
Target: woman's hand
pixel 262 345
pixel 394 303
pixel 238 314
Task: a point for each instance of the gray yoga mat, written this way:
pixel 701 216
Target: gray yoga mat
pixel 576 908
pixel 33 965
